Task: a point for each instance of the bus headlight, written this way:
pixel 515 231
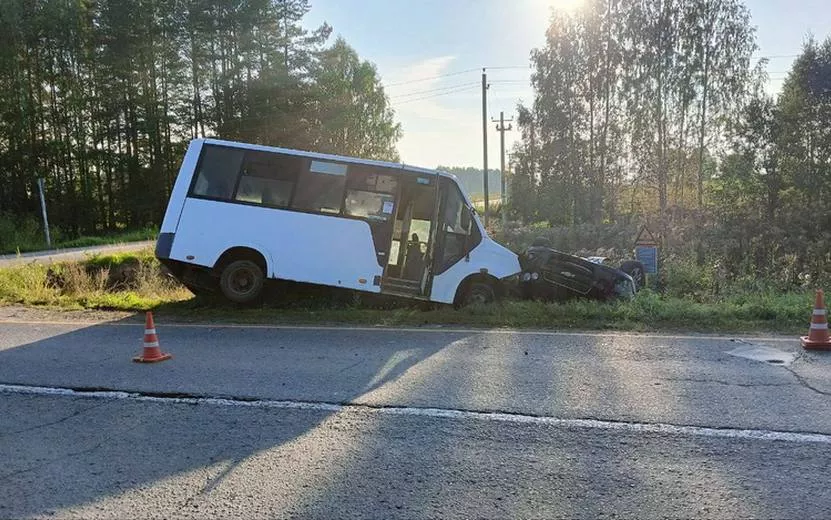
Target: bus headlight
pixel 535 276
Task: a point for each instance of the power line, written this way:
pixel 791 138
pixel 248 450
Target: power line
pixel 773 56
pixel 458 90
pixel 419 80
pixel 509 68
pixel 466 71
pixel 419 92
pixel 526 67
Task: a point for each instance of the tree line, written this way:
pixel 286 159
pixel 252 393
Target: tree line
pixel 100 98
pixel 655 111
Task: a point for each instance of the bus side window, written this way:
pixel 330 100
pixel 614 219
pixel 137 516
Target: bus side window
pixel 320 188
pixel 370 194
pixel 217 174
pixel 268 178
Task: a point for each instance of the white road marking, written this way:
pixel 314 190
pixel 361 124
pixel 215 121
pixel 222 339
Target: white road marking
pixel 348 328
pixel 441 413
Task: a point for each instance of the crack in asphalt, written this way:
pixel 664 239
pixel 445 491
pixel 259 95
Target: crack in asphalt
pixel 725 383
pixel 50 461
pixel 800 356
pixel 212 482
pixel 58 421
pixel 350 367
pixel 801 380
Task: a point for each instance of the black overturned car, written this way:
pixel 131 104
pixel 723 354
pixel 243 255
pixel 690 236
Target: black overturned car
pixel 549 274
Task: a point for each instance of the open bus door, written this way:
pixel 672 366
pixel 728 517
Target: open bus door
pixel 408 271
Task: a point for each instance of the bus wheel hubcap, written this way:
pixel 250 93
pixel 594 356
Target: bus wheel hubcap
pixel 242 281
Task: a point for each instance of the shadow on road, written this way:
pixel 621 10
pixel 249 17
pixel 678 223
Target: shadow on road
pixel 513 470
pixel 74 454
pixel 67 452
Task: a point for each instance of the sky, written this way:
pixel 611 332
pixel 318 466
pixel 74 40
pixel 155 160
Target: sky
pixel 413 41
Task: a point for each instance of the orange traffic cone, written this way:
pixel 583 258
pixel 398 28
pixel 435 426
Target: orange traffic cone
pixel 152 353
pixel 818 337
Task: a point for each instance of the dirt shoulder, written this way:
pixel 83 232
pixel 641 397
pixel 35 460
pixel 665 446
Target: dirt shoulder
pixel 47 314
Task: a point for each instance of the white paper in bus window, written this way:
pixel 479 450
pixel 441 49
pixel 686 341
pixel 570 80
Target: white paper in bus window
pixel 329 168
pixel 388 205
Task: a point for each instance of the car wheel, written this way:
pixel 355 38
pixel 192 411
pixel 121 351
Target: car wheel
pixel 242 281
pixel 478 292
pixel 635 269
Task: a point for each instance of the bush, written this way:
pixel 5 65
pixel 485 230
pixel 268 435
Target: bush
pixel 611 240
pixel 26 234
pixel 22 234
pixel 684 278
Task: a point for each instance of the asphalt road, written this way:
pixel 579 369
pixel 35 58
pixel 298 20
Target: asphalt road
pixel 66 255
pixel 275 422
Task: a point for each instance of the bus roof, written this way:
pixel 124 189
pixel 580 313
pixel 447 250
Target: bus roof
pixel 330 157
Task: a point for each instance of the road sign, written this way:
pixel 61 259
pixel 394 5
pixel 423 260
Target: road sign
pixel 646 251
pixel 645 238
pixel 648 256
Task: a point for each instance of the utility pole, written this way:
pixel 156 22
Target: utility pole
pixel 485 137
pixel 504 193
pixel 43 210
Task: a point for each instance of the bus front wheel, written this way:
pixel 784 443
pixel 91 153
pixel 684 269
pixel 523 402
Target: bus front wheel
pixel 242 281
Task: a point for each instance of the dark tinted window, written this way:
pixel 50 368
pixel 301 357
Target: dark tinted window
pixel 321 187
pixel 268 178
pixel 217 172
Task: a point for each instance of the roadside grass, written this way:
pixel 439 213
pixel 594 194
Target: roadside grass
pixel 124 281
pixel 28 245
pixel 135 282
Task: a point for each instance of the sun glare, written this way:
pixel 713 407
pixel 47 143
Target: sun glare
pixel 565 5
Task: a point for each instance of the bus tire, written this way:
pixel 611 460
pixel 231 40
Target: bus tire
pixel 242 281
pixel 478 292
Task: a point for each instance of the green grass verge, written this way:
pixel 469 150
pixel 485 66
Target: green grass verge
pixel 787 314
pixel 117 238
pixel 133 282
pixel 125 281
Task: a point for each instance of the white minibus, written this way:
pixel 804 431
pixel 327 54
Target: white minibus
pixel 240 214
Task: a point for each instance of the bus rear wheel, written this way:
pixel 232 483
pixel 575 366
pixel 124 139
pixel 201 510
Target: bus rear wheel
pixel 242 281
pixel 478 292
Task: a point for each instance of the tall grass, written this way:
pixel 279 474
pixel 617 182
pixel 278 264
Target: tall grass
pixel 122 282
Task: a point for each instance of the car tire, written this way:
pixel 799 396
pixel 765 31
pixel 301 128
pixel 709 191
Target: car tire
pixel 635 269
pixel 242 282
pixel 478 292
